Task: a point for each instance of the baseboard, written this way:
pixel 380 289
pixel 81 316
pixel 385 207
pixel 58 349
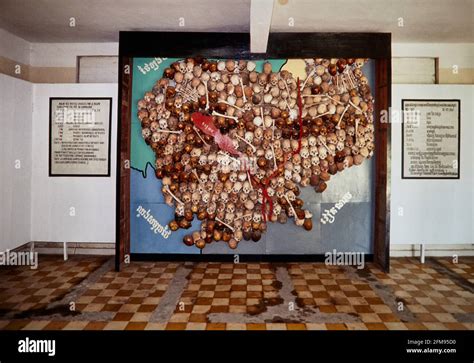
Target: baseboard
pixel 432 250
pixel 108 249
pixel 73 248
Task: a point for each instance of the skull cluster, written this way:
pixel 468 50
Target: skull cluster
pixel 259 113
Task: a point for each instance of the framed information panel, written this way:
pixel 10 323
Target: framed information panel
pixel 431 139
pixel 79 136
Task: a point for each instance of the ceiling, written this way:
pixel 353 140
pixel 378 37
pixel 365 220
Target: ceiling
pixel 100 20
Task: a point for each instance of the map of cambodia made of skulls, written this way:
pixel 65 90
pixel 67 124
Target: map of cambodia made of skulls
pixel 233 144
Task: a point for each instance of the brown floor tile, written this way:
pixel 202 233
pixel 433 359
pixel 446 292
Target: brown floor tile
pixel 95 325
pixel 123 316
pixel 335 326
pixel 16 325
pixel 198 318
pixel 389 318
pixel 327 309
pixel 136 326
pixel 376 326
pixel 146 308
pixel 255 326
pixel 295 326
pixel 216 326
pixel 56 325
pixel 176 326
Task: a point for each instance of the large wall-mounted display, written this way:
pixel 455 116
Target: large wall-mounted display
pixel 249 156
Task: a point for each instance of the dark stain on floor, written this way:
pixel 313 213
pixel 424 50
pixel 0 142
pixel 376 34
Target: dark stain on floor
pixel 263 304
pixel 453 276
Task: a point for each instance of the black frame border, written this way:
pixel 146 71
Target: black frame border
pixel 403 140
pixel 133 44
pixel 109 153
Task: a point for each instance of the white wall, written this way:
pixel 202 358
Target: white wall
pixel 449 54
pixel 15 161
pixel 434 211
pixel 14 48
pixel 65 54
pixel 52 197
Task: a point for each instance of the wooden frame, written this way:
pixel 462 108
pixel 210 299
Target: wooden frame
pixel 459 140
pixel 376 46
pixel 109 138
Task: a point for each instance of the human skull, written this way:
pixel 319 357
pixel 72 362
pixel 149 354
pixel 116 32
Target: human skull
pixel 246 187
pixel 359 62
pixel 304 153
pixel 186 197
pixel 146 133
pixel 249 137
pixel 296 177
pixel 257 217
pixel 323 153
pixel 200 188
pixel 228 186
pixel 211 208
pixel 233 177
pixel 154 126
pixel 179 209
pixel 291 196
pixel 229 217
pixel 168 149
pixel 286 146
pixel 268 154
pixel 296 159
pixel 155 137
pixel 331 138
pixel 215 76
pixel 196 152
pixel 213 176
pixel 218 187
pixel 294 144
pixel 230 208
pixel 203 178
pixel 224 196
pixel 280 181
pixel 202 160
pixel 280 192
pixel 270 191
pixel 221 207
pixel 206 196
pixel 178 102
pixel 260 174
pixel 276 209
pixel 306 163
pixel 237 187
pixel 341 135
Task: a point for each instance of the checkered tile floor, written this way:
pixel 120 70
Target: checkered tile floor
pixel 220 296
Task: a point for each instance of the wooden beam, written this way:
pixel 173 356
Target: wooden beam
pixel 260 20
